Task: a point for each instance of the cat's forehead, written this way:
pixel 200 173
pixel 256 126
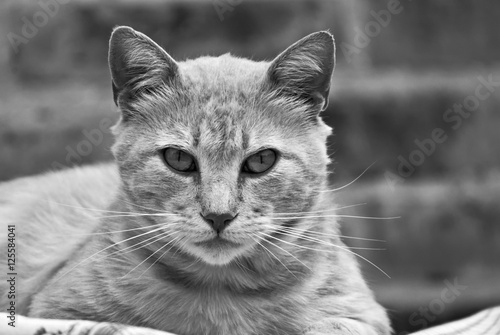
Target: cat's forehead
pixel 223 76
pixel 223 109
pixel 228 91
pixel 224 97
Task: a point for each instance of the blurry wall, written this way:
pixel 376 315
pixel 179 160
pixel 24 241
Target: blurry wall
pixel 438 34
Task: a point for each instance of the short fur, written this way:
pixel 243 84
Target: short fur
pixel 220 110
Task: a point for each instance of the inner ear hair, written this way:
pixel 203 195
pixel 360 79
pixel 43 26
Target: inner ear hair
pixel 304 70
pixel 137 64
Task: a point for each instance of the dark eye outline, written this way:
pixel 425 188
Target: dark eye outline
pixel 245 169
pixel 191 168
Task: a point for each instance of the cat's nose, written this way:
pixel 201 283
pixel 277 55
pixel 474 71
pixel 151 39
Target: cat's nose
pixel 218 221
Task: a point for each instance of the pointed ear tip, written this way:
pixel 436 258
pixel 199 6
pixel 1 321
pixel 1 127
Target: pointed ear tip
pixel 325 33
pixel 122 31
pixel 322 38
pixel 117 29
pixel 118 35
pixel 326 37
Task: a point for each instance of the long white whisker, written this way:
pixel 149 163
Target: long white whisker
pixel 119 231
pixel 277 246
pixel 352 182
pixel 119 213
pixel 337 216
pixel 196 261
pixel 345 249
pixel 314 239
pixel 136 215
pixel 272 254
pixel 161 256
pixel 145 260
pixel 89 209
pixel 241 266
pixel 328 234
pixel 144 207
pixel 321 211
pixel 138 245
pixel 98 252
pixel 369 217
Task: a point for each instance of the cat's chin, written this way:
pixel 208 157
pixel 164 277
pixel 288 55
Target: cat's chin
pixel 217 251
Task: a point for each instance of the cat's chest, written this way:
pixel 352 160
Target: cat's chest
pixel 219 312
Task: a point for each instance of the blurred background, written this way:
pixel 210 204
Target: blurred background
pixel 416 92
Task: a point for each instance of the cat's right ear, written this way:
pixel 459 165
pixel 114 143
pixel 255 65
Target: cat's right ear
pixel 304 70
pixel 137 65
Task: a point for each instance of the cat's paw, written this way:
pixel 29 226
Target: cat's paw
pixel 344 326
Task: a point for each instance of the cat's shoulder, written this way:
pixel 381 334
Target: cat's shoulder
pixel 51 215
pixel 29 199
pixel 85 179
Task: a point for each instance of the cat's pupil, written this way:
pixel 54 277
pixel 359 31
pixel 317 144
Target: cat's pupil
pixel 179 160
pixel 260 162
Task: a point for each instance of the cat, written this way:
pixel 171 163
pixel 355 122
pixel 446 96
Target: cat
pixel 211 221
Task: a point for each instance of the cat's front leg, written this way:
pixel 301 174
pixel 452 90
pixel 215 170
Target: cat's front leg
pixel 346 326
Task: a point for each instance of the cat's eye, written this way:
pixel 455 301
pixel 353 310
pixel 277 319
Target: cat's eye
pixel 260 162
pixel 179 160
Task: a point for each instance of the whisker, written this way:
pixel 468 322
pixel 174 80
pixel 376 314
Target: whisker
pixel 145 260
pixel 350 206
pixel 192 264
pixel 242 267
pixel 314 239
pixel 119 231
pixel 272 254
pixel 136 246
pixel 345 249
pixel 98 252
pixel 120 213
pixel 337 216
pixel 323 210
pixel 144 207
pixel 161 256
pixel 328 234
pixel 182 246
pixel 352 182
pixel 89 209
pixel 369 217
pixel 277 246
pixel 137 215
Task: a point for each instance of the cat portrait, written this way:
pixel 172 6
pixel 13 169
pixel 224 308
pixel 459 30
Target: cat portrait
pixel 222 168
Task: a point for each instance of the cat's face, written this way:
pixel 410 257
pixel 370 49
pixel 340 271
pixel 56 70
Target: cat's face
pixel 227 145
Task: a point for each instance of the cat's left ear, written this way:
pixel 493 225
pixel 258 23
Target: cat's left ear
pixel 304 70
pixel 137 64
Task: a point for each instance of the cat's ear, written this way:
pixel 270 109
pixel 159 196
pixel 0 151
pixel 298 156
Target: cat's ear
pixel 137 64
pixel 304 70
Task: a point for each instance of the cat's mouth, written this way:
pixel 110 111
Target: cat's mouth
pixel 217 243
pixel 218 250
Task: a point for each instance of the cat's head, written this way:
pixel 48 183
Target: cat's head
pixel 226 144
